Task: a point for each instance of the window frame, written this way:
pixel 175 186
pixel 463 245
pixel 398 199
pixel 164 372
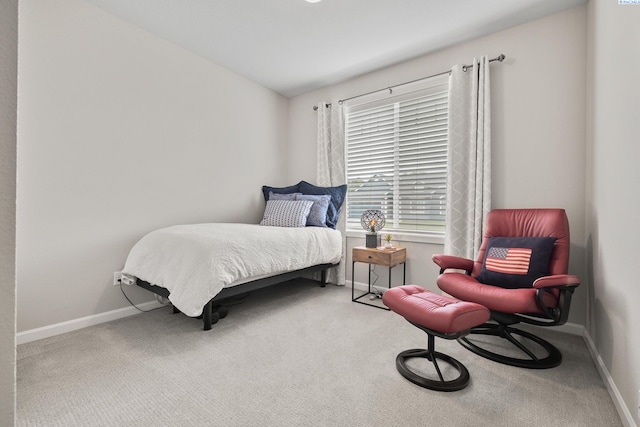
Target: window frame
pixel 390 96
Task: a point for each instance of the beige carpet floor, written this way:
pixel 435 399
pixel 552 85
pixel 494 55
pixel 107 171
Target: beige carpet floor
pixel 291 355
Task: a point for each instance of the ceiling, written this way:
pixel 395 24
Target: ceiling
pixel 293 47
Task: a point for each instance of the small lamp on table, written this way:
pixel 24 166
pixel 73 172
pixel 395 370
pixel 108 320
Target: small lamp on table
pixel 372 220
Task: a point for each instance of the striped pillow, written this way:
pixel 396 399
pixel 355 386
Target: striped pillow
pixel 286 213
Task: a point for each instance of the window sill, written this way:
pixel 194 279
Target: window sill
pixel 431 238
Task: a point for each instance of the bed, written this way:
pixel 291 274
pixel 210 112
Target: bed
pixel 197 265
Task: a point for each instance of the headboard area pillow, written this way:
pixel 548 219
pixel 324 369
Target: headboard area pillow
pixel 279 190
pixel 286 213
pixel 283 196
pixel 318 214
pixel 516 262
pixel 337 194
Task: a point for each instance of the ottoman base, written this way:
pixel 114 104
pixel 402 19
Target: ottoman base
pixel 438 316
pixel 433 356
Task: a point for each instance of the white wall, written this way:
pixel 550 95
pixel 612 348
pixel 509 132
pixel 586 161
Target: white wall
pixel 538 122
pixel 120 133
pixel 8 106
pixel 613 203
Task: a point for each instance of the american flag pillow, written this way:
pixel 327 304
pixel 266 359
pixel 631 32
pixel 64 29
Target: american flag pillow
pixel 516 262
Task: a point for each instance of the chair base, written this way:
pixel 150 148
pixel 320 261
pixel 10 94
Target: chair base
pixel 451 385
pixel 552 359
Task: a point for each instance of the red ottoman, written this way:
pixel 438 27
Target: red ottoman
pixel 439 316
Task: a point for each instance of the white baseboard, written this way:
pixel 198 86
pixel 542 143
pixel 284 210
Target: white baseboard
pixel 83 322
pixel 618 401
pixel 568 328
pixel 358 286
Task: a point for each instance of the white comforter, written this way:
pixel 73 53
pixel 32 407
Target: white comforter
pixel 195 262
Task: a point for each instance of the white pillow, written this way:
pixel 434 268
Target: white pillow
pixel 286 213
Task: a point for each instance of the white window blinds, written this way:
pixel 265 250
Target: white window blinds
pixel 397 158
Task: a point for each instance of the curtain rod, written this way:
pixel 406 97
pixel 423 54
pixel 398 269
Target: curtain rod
pixel 498 58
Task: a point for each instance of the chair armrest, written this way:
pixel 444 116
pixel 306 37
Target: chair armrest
pixel 557 280
pixel 450 261
pixel 561 284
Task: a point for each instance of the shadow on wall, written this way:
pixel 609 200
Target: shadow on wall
pixel 589 281
pixel 608 317
pixel 579 304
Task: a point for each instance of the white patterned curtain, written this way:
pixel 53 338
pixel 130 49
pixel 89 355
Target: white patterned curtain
pixel 331 169
pixel 469 162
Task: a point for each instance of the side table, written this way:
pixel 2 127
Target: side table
pixel 385 257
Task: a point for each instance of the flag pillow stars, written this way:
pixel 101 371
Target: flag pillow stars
pixel 516 262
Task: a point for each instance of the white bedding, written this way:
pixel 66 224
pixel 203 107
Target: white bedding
pixel 195 262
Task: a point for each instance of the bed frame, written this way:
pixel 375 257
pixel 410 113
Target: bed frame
pixel 215 310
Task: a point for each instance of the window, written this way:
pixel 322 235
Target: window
pixel 397 157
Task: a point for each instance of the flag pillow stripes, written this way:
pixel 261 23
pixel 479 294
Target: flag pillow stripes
pixel 516 262
pixel 508 260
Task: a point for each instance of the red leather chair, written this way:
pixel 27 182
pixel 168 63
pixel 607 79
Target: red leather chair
pixel 520 275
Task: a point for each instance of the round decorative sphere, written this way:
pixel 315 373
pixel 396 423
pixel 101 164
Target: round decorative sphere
pixel 372 220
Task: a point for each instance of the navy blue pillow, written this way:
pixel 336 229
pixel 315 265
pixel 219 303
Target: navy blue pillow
pixel 280 190
pixel 516 262
pixel 337 194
